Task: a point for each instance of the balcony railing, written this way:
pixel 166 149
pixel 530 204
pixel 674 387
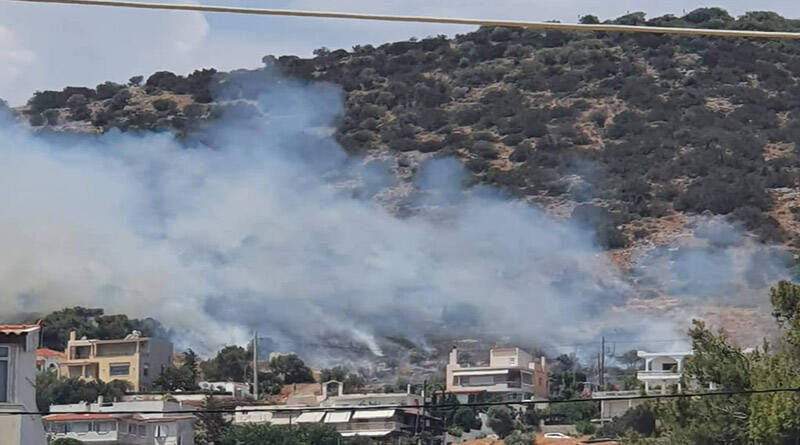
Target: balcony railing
pixel 355 427
pixel 658 375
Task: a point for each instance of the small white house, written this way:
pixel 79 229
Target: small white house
pixel 148 422
pixel 18 345
pixel 238 390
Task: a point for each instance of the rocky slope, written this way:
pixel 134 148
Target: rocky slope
pixel 632 135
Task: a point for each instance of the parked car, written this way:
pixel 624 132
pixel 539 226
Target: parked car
pixel 556 436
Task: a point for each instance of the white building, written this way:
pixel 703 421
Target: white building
pixel 510 373
pixel 237 390
pixel 18 345
pixel 350 415
pixel 661 374
pixel 147 422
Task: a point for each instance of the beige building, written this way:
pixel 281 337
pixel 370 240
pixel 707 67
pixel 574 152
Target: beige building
pixel 511 373
pixel 134 359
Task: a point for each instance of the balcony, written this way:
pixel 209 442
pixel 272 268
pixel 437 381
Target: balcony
pixel 658 375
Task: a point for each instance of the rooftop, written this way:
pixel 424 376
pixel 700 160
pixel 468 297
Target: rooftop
pixel 18 329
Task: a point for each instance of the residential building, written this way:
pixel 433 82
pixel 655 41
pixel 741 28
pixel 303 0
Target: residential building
pixel 661 374
pixel 48 359
pixel 18 345
pixel 511 373
pixel 351 415
pixel 238 390
pixel 134 359
pixel 122 423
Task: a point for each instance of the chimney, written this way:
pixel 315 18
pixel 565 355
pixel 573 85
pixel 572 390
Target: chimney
pixel 454 356
pixel 544 363
pixel 100 400
pixel 341 388
pixel 73 335
pixel 408 388
pixel 325 390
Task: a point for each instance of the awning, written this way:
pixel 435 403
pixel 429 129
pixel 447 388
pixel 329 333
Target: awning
pixel 311 417
pixel 374 414
pixel 487 372
pixel 280 420
pixel 338 417
pixel 379 433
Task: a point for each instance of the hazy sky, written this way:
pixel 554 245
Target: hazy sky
pixel 49 46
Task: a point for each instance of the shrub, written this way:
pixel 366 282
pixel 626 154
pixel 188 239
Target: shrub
pixel 164 104
pixel 585 427
pixel 501 420
pixel 519 438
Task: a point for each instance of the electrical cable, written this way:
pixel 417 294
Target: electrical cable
pixel 599 27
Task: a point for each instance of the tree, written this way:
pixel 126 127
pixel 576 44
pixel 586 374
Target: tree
pixel 93 324
pixel 501 420
pixel 291 368
pixel 589 19
pixel 211 426
pixel 269 434
pixel 51 390
pixel 519 438
pixel 180 378
pixel 230 363
pixel 466 419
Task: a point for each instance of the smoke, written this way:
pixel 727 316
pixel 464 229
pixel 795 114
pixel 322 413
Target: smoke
pixel 264 222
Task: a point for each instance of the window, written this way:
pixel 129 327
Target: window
pixel 4 353
pixel 121 369
pixel 131 429
pixel 105 427
pixel 162 430
pixel 142 430
pixel 57 428
pixel 80 427
pixel 146 370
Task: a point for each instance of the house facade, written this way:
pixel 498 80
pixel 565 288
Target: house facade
pixel 122 423
pixel 134 359
pixel 351 415
pixel 48 359
pixel 18 345
pixel 511 374
pixel 661 375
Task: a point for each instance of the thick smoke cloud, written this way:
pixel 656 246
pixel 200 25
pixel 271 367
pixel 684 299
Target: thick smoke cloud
pixel 265 222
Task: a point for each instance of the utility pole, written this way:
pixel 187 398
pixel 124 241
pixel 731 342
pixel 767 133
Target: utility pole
pixel 255 364
pixel 603 362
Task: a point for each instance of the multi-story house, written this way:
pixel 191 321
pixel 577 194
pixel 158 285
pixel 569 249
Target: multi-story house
pixel 48 359
pixel 18 345
pixel 661 374
pixel 122 423
pixel 134 359
pixel 510 374
pixel 351 415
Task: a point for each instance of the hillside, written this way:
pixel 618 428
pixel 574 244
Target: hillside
pixel 628 134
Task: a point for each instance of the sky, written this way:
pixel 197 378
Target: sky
pixel 51 46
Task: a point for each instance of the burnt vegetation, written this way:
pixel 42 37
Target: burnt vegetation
pixel 628 126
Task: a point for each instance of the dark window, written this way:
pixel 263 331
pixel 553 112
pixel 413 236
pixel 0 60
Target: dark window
pixel 119 369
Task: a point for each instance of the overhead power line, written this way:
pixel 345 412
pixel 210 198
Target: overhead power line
pixel 601 27
pixel 255 408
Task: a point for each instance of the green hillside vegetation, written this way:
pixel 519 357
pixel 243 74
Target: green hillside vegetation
pixel 623 127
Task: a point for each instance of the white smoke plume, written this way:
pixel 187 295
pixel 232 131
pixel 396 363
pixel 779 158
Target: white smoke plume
pixel 267 223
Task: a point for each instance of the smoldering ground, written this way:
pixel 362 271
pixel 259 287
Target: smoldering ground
pixel 262 221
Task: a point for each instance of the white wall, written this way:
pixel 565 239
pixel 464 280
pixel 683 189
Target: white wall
pixel 22 430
